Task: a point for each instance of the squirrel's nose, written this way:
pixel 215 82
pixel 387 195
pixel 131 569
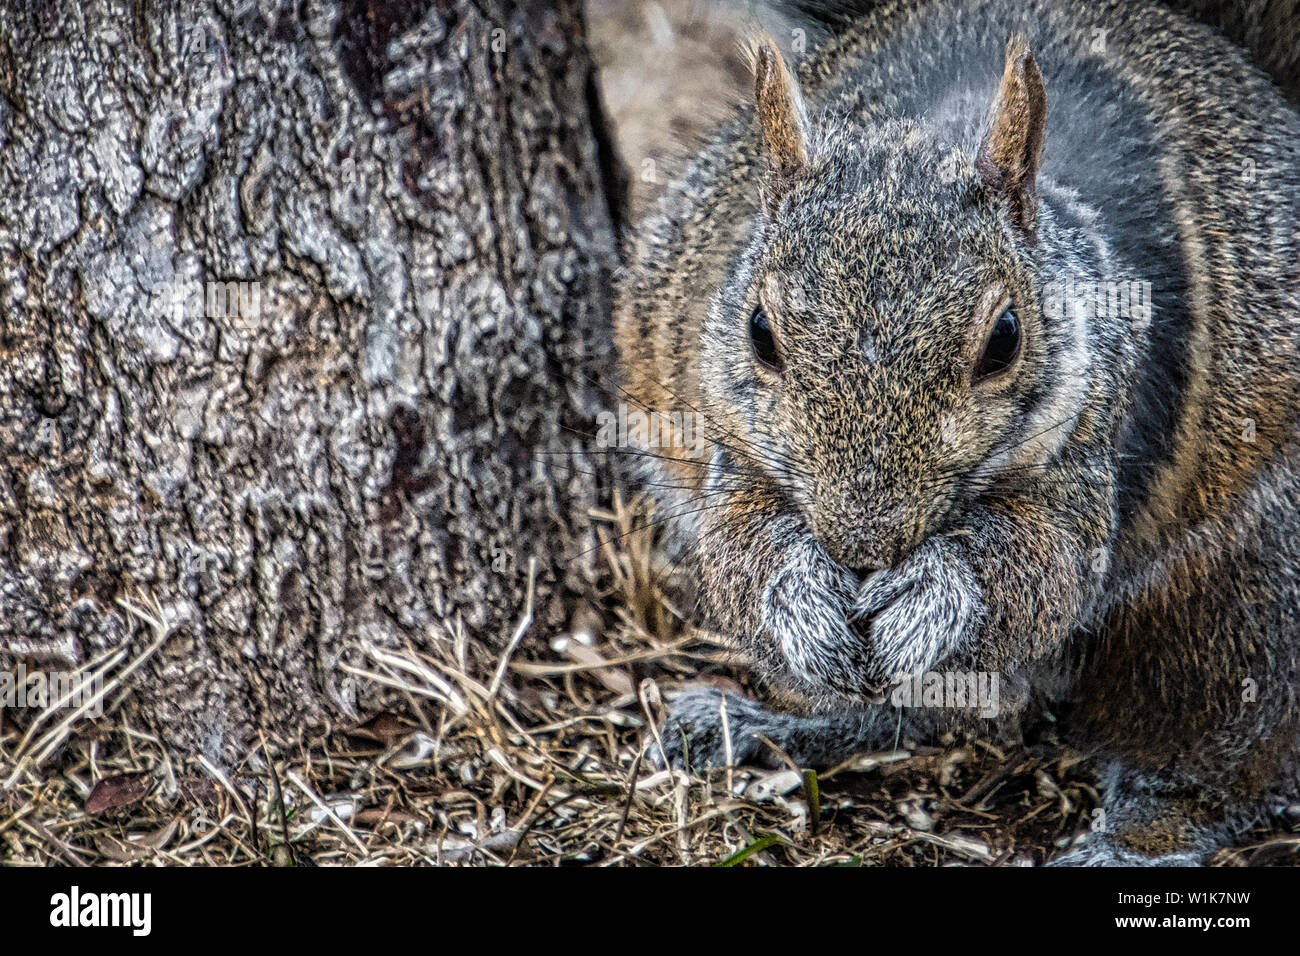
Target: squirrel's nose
pixel 867 570
pixel 864 555
pixel 860 542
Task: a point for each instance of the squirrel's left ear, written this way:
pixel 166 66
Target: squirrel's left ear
pixel 784 122
pixel 1012 149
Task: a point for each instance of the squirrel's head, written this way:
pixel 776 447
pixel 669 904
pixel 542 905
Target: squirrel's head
pixel 880 347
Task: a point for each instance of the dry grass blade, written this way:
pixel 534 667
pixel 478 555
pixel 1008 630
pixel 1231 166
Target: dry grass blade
pixel 524 756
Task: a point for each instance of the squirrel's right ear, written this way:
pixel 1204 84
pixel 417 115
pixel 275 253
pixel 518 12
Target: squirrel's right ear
pixel 1012 149
pixel 784 122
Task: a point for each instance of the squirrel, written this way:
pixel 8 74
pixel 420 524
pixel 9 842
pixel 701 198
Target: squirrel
pixel 991 311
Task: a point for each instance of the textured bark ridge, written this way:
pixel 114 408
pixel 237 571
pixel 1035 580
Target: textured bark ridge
pixel 291 297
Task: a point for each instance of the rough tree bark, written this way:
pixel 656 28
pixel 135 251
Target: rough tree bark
pixel 344 449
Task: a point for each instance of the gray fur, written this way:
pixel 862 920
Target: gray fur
pixel 1113 523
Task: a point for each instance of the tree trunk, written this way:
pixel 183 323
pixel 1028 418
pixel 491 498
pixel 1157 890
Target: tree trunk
pixel 291 297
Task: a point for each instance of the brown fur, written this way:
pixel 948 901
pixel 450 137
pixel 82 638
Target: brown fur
pixel 1013 148
pixel 1112 521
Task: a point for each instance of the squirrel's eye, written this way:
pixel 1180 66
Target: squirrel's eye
pixel 764 341
pixel 1002 347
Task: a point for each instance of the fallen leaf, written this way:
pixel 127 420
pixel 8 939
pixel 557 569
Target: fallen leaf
pixel 119 790
pixel 374 816
pixel 385 728
pixel 613 677
pixel 121 852
pixel 159 838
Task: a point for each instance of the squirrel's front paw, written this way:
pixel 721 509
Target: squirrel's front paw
pixel 806 615
pixel 915 615
pixel 694 735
